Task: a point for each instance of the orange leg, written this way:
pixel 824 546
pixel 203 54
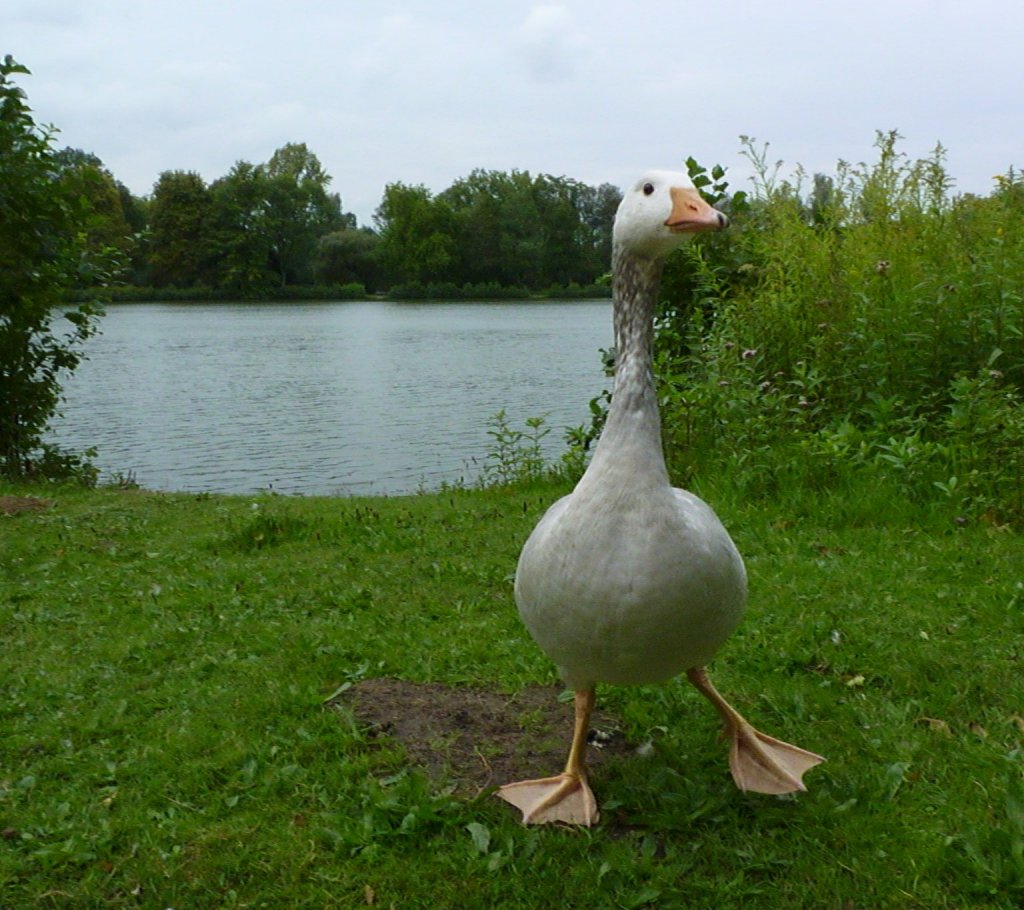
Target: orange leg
pixel 567 797
pixel 758 762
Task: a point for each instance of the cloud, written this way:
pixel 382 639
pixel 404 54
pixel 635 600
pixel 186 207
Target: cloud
pixel 61 15
pixel 388 48
pixel 549 43
pixel 424 91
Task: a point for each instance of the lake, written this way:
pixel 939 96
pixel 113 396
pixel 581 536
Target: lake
pixel 326 398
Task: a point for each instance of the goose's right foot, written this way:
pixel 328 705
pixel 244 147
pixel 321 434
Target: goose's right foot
pixel 566 798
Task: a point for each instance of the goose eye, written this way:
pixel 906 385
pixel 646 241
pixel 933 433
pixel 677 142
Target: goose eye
pixel 648 189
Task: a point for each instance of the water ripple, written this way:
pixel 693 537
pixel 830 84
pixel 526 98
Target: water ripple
pixel 326 398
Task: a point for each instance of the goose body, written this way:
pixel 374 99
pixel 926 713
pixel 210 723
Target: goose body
pixel 654 588
pixel 628 579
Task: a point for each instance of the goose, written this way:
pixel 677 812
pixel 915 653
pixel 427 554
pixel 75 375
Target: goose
pixel 629 580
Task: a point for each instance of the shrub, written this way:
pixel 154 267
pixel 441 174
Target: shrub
pixel 45 255
pixel 873 328
pixel 515 456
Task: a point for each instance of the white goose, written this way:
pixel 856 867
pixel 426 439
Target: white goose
pixel 628 579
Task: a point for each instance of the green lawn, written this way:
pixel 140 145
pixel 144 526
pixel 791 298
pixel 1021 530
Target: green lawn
pixel 164 738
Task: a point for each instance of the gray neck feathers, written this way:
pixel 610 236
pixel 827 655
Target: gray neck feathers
pixel 630 444
pixel 635 290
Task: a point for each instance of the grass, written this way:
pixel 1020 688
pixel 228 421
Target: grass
pixel 165 742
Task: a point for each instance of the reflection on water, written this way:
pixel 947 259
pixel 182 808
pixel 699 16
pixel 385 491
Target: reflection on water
pixel 326 398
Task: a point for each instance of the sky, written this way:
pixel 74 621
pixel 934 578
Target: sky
pixel 425 91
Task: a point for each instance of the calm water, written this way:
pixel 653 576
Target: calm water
pixel 326 398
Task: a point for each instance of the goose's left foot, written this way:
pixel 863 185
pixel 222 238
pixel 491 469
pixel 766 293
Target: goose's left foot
pixel 758 762
pixel 566 798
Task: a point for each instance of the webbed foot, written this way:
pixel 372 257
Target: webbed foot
pixel 758 762
pixel 764 764
pixel 566 798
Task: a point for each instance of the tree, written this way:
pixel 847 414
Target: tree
pixel 499 236
pixel 268 217
pixel 517 229
pixel 597 207
pixel 348 256
pixel 822 201
pixel 179 230
pixel 239 231
pixel 565 255
pixel 298 164
pixel 45 254
pixel 416 234
pixel 299 210
pixel 107 226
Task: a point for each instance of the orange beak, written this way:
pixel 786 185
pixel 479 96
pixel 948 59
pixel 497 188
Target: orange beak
pixel 690 213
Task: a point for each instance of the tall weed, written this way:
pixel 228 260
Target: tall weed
pixel 863 325
pixel 515 456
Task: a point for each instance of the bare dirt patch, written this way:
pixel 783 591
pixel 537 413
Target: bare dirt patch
pixel 474 738
pixel 12 505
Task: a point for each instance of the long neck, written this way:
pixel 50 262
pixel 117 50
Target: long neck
pixel 631 439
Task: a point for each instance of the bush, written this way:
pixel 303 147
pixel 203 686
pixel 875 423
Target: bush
pixel 579 292
pixel 447 290
pixel 873 328
pixel 44 257
pixel 203 294
pixel 516 456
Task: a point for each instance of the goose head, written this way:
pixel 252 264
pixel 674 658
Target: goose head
pixel 661 211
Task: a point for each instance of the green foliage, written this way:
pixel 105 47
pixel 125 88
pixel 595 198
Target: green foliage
pixel 50 245
pixel 251 233
pixel 494 228
pixel 202 293
pixel 179 246
pixel 262 228
pixel 446 290
pixel 492 290
pixel 415 234
pixel 517 229
pixel 516 455
pixel 297 210
pixel 578 291
pixel 875 328
pixel 240 232
pixel 349 256
pixel 107 228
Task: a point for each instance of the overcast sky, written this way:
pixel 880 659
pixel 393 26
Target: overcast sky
pixel 424 91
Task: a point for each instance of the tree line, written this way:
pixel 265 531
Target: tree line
pixel 271 227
